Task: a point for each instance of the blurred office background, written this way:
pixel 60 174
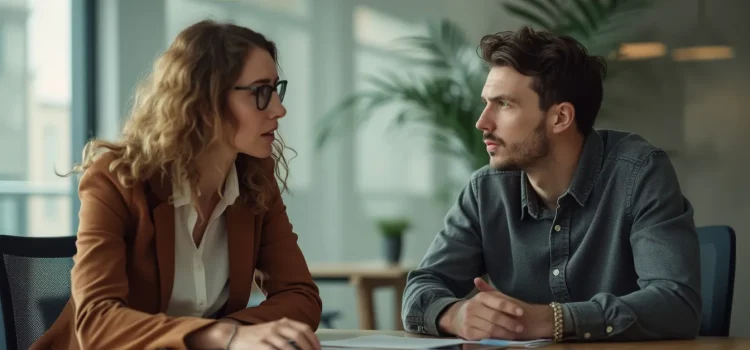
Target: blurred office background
pixel 68 68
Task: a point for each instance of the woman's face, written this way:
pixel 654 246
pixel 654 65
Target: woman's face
pixel 256 106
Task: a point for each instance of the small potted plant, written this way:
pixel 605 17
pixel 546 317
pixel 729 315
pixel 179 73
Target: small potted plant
pixel 393 230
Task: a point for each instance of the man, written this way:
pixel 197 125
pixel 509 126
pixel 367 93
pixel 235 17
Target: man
pixel 584 233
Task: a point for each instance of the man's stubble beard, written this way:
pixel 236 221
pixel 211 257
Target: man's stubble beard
pixel 523 155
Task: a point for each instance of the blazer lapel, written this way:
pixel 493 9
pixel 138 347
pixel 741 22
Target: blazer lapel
pixel 240 223
pixel 164 226
pixel 240 238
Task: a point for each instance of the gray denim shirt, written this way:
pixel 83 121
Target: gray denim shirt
pixel 621 251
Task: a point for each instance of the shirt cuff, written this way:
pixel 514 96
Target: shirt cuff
pixel 433 313
pixel 569 328
pixel 585 320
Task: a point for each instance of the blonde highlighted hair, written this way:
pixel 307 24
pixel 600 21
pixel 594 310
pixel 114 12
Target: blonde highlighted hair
pixel 181 110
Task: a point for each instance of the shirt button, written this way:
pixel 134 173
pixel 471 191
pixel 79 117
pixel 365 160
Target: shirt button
pixel 555 272
pixel 609 329
pixel 557 228
pixel 587 335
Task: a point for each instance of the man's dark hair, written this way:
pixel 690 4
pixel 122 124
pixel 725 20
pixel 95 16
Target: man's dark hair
pixel 560 67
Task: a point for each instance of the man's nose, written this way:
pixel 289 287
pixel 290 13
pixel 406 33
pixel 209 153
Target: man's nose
pixel 484 123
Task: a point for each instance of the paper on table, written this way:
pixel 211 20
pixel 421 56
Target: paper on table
pixel 391 342
pixel 529 344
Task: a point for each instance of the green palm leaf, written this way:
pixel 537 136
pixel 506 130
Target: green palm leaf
pixel 589 13
pixel 601 25
pixel 529 16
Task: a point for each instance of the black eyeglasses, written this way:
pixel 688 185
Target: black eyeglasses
pixel 264 92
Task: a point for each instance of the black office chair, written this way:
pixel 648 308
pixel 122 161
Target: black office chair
pixel 34 285
pixel 717 282
pixel 327 318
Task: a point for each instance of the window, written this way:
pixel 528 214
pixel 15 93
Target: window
pixel 8 215
pixel 35 122
pixel 298 8
pixel 50 140
pixel 294 60
pixel 388 160
pixel 3 49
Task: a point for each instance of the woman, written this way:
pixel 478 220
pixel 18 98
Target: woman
pixel 178 215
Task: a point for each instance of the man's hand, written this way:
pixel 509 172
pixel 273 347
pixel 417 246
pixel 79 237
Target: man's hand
pixel 492 314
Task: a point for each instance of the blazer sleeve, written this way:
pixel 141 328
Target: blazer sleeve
pixel 286 282
pixel 103 319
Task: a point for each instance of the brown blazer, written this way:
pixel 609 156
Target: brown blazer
pixel 124 268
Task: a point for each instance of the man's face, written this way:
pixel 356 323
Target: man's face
pixel 513 126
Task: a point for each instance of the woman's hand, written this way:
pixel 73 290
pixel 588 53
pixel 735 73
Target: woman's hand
pixel 284 334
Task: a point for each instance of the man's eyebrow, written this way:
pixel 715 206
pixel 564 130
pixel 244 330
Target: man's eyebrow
pixel 500 97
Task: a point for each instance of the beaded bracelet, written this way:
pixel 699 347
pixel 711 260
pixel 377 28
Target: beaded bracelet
pixel 558 316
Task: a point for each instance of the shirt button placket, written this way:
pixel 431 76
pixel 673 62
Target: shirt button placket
pixel 559 257
pixel 555 261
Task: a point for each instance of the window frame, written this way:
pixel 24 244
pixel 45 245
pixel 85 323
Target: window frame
pixel 82 118
pixel 84 97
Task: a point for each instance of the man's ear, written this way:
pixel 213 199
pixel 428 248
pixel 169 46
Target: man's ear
pixel 563 117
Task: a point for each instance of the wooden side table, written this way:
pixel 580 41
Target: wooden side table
pixel 366 277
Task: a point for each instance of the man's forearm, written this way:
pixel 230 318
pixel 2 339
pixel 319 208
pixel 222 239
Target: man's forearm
pixel 425 299
pixel 663 310
pixel 446 273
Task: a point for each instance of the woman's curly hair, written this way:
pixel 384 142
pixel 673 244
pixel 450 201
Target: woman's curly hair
pixel 181 109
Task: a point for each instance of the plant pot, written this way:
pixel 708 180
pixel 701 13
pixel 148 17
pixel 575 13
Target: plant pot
pixel 392 247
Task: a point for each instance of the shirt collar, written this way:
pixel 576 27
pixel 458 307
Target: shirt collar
pixel 587 171
pixel 181 191
pixel 529 205
pixel 589 167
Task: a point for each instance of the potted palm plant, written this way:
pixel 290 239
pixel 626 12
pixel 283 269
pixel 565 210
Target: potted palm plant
pixel 446 102
pixel 393 230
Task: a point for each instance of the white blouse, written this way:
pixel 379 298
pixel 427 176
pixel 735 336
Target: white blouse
pixel 201 279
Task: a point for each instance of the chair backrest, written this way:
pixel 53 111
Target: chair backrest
pixel 34 285
pixel 717 281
